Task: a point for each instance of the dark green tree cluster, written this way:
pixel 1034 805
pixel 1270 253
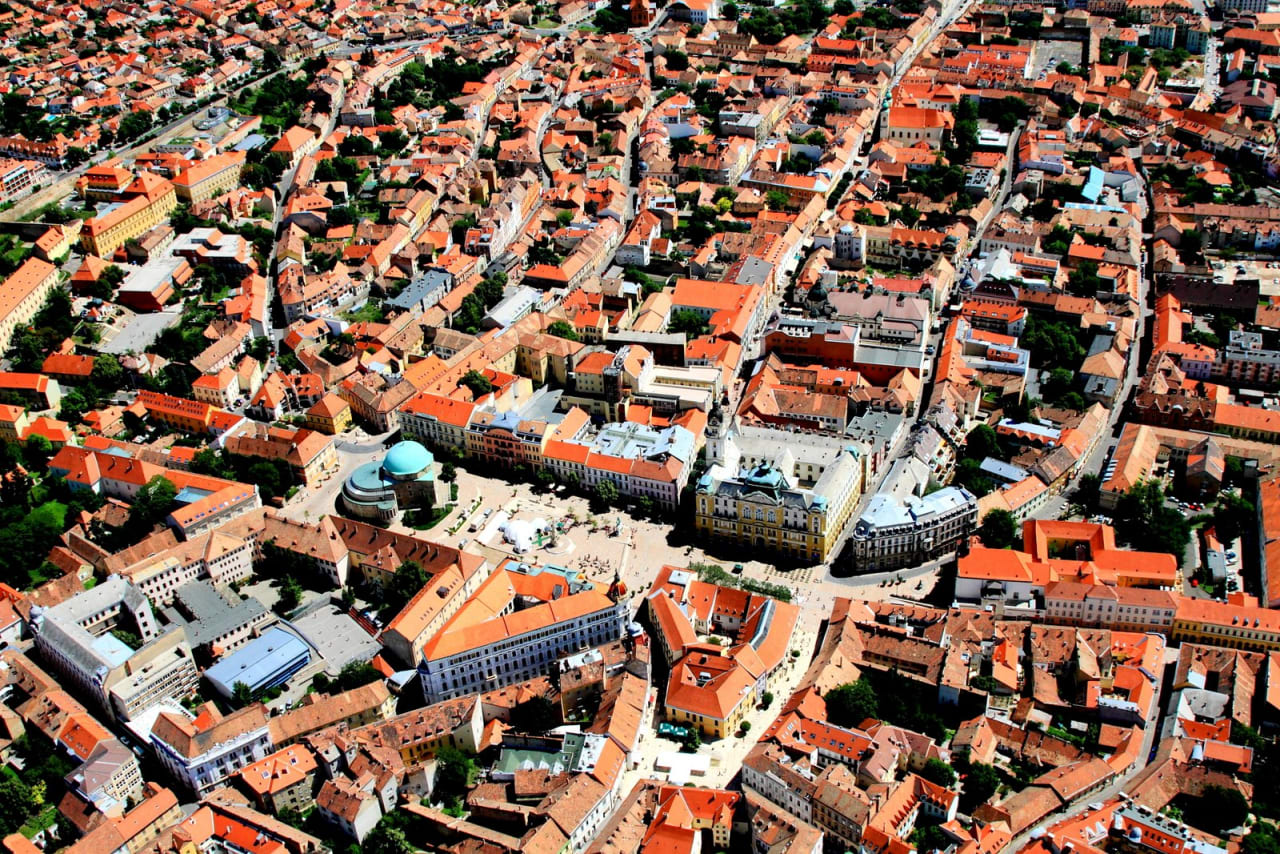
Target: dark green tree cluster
pixel 980 784
pixel 690 322
pixel 404 584
pixel 486 295
pixel 1233 515
pixel 563 329
pixel 273 477
pixel 1053 343
pixel 455 774
pixel 1217 810
pixel 1146 523
pixel 479 384
pixel 941 182
pixel 33 515
pixel 999 529
pixel 354 674
pixel 134 125
pixel 52 324
pixel 438 86
pixel 536 715
pixel 278 99
pixel 152 503
pixel 1084 281
pixel 772 25
pixel 886 696
pixel 1006 112
pixel 964 134
pixel 982 442
pixel 106 379
pixel 18 118
pixel 185 340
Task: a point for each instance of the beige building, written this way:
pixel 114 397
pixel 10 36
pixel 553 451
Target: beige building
pixel 151 200
pixel 23 294
pixel 208 178
pixel 789 506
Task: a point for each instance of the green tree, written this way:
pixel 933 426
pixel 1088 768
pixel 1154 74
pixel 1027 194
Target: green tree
pixel 1088 491
pixel 1217 810
pixel 408 579
pixel 999 529
pixel 386 838
pixel 937 771
pixel 1146 523
pixel 73 406
pixel 606 492
pixel 290 595
pixel 776 200
pixel 1057 383
pixel 134 125
pixel 241 695
pixel 1232 516
pixel 392 141
pixel 1084 281
pixel 15 803
pixel 563 329
pixel 448 472
pixel 107 375
pixel 152 503
pixel 981 443
pixel 264 474
pixel 209 461
pixel 479 384
pixel 690 322
pixel 355 674
pixel 980 784
pixel 535 715
pixel 928 838
pixel 848 705
pixel 1072 400
pixel 455 772
pixel 692 740
pixel 1263 839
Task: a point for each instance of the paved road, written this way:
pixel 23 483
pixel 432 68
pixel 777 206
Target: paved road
pixel 65 184
pixel 312 502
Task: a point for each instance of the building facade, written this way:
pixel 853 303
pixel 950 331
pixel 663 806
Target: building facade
pixel 896 532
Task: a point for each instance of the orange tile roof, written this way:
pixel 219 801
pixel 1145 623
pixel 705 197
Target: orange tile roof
pixel 280 770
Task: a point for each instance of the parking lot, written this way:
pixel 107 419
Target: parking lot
pixel 1049 54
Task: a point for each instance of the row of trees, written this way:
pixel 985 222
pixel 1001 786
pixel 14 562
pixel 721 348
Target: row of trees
pixel 486 295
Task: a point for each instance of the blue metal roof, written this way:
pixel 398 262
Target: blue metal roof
pixel 261 663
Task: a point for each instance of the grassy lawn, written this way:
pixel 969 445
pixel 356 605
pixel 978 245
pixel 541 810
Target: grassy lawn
pixel 42 820
pixel 370 312
pixel 422 520
pixel 545 24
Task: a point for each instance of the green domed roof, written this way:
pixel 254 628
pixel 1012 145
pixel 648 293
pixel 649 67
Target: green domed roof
pixel 765 476
pixel 406 458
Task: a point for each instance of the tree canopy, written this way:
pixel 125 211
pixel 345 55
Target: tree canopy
pixel 1146 523
pixel 408 579
pixel 999 529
